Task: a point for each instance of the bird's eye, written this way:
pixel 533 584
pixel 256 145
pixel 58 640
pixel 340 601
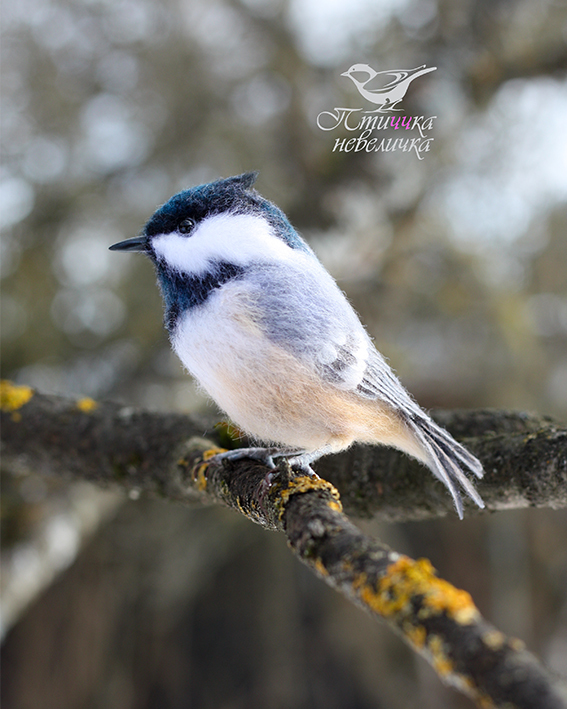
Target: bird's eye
pixel 186 226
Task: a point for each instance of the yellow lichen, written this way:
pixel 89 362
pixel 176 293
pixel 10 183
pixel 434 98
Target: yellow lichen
pixel 417 635
pixel 13 397
pixel 320 568
pixel 383 602
pixel 200 477
pixel 494 639
pixel 441 662
pixel 86 405
pixel 360 580
pixel 200 471
pixel 405 579
pixel 211 452
pixel 307 483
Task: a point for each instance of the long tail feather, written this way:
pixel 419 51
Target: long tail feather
pixel 446 458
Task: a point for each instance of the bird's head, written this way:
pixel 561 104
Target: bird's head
pixel 221 222
pixel 360 73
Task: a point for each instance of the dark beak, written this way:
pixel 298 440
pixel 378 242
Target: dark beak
pixel 136 243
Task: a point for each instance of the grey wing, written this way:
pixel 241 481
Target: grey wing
pixel 306 313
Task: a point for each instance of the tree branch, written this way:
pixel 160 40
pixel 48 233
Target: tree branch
pixel 523 455
pixel 109 443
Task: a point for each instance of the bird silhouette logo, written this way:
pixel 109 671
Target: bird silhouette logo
pixel 386 96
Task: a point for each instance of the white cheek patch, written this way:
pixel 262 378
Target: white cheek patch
pixel 235 238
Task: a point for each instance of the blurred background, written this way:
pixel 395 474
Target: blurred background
pixel 457 263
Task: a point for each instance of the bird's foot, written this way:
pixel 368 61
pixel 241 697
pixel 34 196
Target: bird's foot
pixel 297 458
pixel 303 463
pixel 263 455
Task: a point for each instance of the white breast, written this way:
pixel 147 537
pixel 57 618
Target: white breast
pixel 224 349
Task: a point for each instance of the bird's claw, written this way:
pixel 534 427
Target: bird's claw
pixel 297 459
pixel 301 462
